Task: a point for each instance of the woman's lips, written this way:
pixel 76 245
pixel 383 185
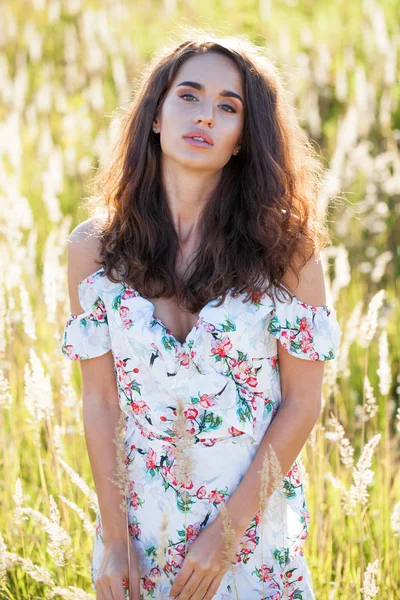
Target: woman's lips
pixel 197 143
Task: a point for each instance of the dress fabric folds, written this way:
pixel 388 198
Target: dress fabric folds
pixel 226 375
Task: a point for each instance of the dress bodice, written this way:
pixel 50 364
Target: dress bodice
pixel 227 367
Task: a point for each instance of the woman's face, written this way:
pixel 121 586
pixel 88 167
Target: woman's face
pixel 204 98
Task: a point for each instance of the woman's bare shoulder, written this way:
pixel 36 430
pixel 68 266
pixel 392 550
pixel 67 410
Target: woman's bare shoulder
pixel 83 250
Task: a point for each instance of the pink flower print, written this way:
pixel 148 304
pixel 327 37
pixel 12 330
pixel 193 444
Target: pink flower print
pixel 314 356
pixel 192 531
pixel 289 588
pixel 134 530
pixel 139 407
pixel 119 362
pixel 155 571
pixel 124 314
pixel 252 381
pixel 206 401
pixel 191 413
pixel 216 496
pixel 124 378
pixel 305 325
pixel 233 431
pixel 208 326
pixel 150 459
pixel 184 359
pixel 128 294
pixel 209 441
pixel 241 371
pixel 176 555
pixel 134 500
pixel 265 574
pixel 285 340
pixel 257 296
pixel 100 312
pixel 306 343
pixel 69 349
pixel 201 492
pixel 148 584
pixel 248 545
pixel 221 347
pixel 123 311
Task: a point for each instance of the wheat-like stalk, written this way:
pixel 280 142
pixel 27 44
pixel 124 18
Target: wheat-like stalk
pixel 346 450
pixel 370 589
pixel 120 477
pixel 371 406
pixel 162 544
pixel 3 562
pixel 229 534
pixel 270 478
pixel 385 376
pixel 80 483
pixel 87 525
pixel 183 463
pixel 362 476
pixel 38 574
pixel 369 323
pixel 60 541
pixel 70 593
pixel 122 480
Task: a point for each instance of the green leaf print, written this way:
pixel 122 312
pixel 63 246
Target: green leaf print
pixel 184 504
pixel 282 557
pixel 211 421
pixel 151 551
pixel 167 342
pixel 228 325
pixel 241 355
pixel 116 304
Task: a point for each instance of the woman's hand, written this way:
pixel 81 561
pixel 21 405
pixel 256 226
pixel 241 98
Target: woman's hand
pixel 204 565
pixel 114 571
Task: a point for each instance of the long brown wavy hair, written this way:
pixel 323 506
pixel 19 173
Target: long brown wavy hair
pixel 260 219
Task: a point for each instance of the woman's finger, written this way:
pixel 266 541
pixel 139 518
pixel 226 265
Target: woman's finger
pixel 213 587
pixel 202 588
pixel 182 578
pixel 118 591
pixel 103 590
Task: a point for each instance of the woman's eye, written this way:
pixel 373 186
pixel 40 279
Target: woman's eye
pixel 226 105
pixel 183 95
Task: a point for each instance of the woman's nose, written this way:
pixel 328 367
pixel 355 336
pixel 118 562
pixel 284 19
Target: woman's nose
pixel 206 115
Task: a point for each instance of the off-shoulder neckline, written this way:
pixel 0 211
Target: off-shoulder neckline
pixel 313 307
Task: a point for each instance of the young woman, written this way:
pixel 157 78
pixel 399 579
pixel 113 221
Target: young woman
pixel 209 308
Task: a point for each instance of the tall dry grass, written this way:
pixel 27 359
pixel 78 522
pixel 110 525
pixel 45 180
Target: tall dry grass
pixel 64 67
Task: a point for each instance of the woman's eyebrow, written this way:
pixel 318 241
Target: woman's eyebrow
pixel 200 87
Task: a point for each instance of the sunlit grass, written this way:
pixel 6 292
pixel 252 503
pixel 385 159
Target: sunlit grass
pixel 64 67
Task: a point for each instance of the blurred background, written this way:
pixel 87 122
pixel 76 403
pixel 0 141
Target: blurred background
pixel 65 66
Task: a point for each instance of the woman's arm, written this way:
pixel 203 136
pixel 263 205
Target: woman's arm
pixel 301 392
pixel 101 409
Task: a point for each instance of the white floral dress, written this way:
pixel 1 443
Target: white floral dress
pixel 226 373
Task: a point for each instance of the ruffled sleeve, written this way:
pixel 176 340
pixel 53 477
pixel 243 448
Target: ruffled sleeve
pixel 87 334
pixel 306 331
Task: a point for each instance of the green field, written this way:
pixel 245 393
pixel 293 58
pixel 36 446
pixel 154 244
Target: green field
pixel 65 66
